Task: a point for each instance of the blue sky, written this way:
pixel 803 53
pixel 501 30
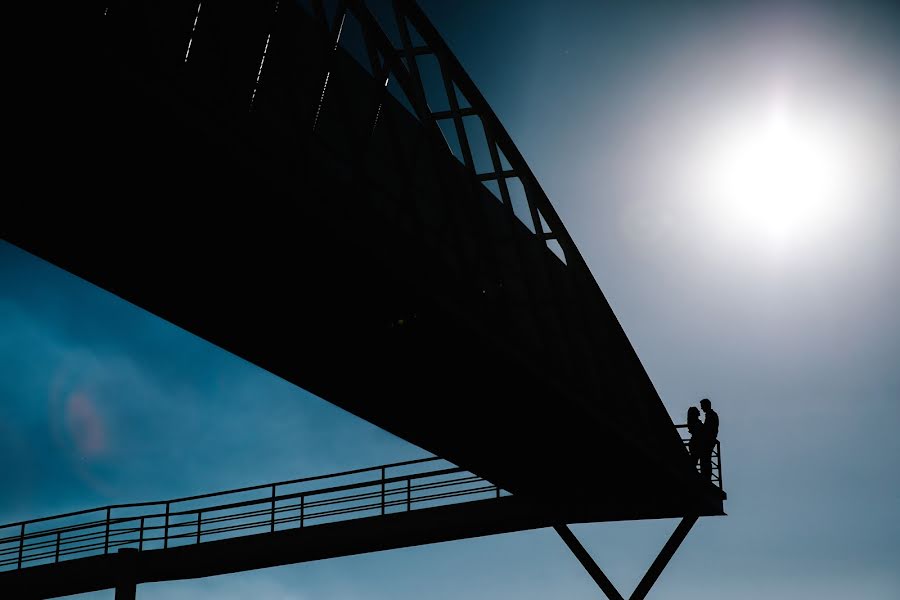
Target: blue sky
pixel 795 337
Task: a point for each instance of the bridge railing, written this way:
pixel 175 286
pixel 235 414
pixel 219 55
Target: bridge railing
pixel 716 476
pixel 311 501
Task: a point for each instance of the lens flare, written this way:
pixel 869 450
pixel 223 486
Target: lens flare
pixel 78 423
pixel 84 425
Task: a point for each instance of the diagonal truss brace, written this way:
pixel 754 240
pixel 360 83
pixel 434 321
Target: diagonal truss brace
pixel 650 577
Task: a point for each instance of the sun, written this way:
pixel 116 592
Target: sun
pixel 777 175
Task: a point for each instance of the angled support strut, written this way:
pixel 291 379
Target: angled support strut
pixel 663 558
pixel 587 562
pixel 650 577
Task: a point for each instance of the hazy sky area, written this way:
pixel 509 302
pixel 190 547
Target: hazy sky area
pixel 661 134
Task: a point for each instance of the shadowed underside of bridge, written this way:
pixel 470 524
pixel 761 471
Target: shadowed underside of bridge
pixel 231 168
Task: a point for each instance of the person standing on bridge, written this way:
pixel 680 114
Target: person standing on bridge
pixel 695 427
pixel 710 434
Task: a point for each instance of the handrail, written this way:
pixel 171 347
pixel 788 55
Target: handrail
pixel 272 511
pixel 234 491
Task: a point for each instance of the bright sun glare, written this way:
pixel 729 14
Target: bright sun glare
pixel 781 174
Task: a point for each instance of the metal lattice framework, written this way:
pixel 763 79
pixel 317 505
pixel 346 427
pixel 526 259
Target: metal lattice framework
pixel 564 288
pixel 386 62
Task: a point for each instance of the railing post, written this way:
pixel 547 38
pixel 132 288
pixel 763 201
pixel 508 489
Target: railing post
pixel 141 539
pixel 106 537
pixel 199 521
pixel 498 490
pixel 272 529
pixel 382 490
pixel 408 494
pixel 21 544
pixel 302 502
pixel 166 531
pixel 56 558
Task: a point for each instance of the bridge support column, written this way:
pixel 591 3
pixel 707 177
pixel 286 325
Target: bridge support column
pixel 126 590
pixel 126 586
pixel 650 577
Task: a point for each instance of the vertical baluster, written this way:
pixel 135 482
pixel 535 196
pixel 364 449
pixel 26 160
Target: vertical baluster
pixel 715 464
pixel 21 544
pixel 302 503
pixel 408 494
pixel 106 538
pixel 56 559
pixel 141 539
pixel 166 531
pixel 382 490
pixel 498 490
pixel 712 462
pixel 199 521
pixel 719 456
pixel 272 528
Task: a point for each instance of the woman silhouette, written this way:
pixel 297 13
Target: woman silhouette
pixel 695 428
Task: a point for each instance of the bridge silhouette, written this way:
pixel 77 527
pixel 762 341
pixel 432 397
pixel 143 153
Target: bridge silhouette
pixel 304 192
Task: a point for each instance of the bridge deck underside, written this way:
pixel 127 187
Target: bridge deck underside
pixel 365 266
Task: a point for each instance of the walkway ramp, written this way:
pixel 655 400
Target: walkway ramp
pixel 353 512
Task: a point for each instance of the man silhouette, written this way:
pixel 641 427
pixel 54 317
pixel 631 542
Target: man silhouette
pixel 710 433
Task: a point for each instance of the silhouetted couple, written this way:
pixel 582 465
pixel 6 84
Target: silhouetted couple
pixel 703 436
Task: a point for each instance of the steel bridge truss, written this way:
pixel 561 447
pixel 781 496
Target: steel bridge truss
pixel 121 534
pixel 469 129
pixel 465 100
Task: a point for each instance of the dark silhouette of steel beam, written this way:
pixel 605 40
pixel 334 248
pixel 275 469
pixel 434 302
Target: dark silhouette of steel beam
pixel 587 562
pixel 650 577
pixel 665 555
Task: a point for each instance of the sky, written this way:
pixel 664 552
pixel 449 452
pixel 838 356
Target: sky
pixel 728 173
